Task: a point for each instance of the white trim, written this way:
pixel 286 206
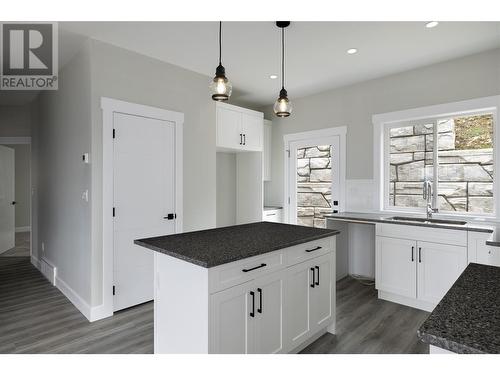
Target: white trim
pixel 74 297
pixel 490 104
pixel 15 140
pixel 23 229
pixel 341 132
pixel 36 263
pixel 110 106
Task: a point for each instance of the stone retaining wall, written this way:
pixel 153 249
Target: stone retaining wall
pixel 314 182
pixel 465 176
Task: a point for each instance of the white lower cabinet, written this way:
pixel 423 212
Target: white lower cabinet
pixel 417 273
pixel 439 266
pixel 230 320
pixel 308 299
pixel 278 311
pixel 395 267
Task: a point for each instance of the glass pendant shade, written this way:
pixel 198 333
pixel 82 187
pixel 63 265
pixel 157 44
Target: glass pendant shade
pixel 220 87
pixel 283 106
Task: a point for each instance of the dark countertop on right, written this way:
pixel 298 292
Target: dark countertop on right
pixel 467 320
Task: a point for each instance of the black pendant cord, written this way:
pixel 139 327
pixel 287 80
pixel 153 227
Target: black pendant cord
pixel 220 42
pixel 282 58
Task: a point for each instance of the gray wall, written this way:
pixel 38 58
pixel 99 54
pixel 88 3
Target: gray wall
pixel 353 106
pixel 22 181
pixel 15 121
pixel 226 189
pixel 63 135
pixel 121 74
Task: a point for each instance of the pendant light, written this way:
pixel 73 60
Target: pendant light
pixel 283 106
pixel 220 87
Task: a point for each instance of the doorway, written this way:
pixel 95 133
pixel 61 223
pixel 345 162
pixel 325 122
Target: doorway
pixel 15 196
pixel 315 176
pixel 142 196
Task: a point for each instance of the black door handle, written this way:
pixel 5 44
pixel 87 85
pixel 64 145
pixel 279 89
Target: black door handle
pixel 170 216
pixel 14 202
pixel 311 250
pixel 244 139
pixel 254 268
pixel 312 284
pixel 252 313
pixel 241 139
pixel 259 310
pixel 419 255
pixel 317 281
pixel 412 253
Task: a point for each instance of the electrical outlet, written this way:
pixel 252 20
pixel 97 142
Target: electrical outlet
pixel 85 196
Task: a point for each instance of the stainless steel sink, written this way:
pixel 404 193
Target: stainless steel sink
pixel 427 221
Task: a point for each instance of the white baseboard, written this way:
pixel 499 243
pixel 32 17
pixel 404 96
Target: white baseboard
pixel 74 298
pixel 100 312
pixel 23 229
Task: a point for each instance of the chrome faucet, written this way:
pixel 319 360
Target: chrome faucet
pixel 427 195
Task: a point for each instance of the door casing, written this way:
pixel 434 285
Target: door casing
pixel 110 106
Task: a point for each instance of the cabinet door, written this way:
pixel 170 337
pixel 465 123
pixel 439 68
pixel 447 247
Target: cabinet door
pixel 296 304
pixel 268 335
pixel 395 269
pixel 439 266
pixel 228 128
pixel 322 293
pixel 231 326
pixel 252 128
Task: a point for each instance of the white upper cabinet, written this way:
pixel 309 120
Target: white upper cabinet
pixel 239 129
pixel 267 150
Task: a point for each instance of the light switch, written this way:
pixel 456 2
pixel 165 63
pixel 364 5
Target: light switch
pixel 86 158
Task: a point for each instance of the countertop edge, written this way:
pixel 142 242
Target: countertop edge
pixel 416 224
pixel 447 344
pixel 139 242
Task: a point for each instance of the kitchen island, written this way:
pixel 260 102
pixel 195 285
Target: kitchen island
pixel 467 320
pixel 253 288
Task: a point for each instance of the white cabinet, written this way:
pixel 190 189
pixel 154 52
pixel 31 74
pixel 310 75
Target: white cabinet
pixel 480 252
pixel 272 215
pixel 267 157
pixel 248 318
pixel 268 314
pixel 309 299
pixel 395 267
pixel 238 129
pixel 439 266
pixel 414 271
pixel 231 331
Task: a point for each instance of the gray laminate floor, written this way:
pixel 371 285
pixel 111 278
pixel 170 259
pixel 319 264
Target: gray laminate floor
pixel 36 318
pixel 22 246
pixel 368 325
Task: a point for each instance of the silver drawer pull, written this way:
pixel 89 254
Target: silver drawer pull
pixel 311 250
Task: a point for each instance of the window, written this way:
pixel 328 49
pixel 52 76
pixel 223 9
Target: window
pixel 455 153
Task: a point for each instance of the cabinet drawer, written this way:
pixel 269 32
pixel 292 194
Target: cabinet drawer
pixel 300 253
pixel 230 274
pixel 413 232
pixel 272 216
pixel 489 255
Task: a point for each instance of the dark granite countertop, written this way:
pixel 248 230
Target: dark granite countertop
pixel 213 247
pixel 467 320
pixel 362 217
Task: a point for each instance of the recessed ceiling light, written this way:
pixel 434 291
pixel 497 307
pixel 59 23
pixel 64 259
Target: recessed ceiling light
pixel 352 51
pixel 431 24
pixel 273 76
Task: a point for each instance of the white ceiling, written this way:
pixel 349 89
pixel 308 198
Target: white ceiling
pixel 316 56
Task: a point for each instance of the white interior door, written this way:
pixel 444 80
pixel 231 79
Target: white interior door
pixel 7 192
pixel 144 195
pixel 320 192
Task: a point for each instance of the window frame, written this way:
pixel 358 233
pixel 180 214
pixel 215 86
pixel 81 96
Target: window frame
pixel 384 122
